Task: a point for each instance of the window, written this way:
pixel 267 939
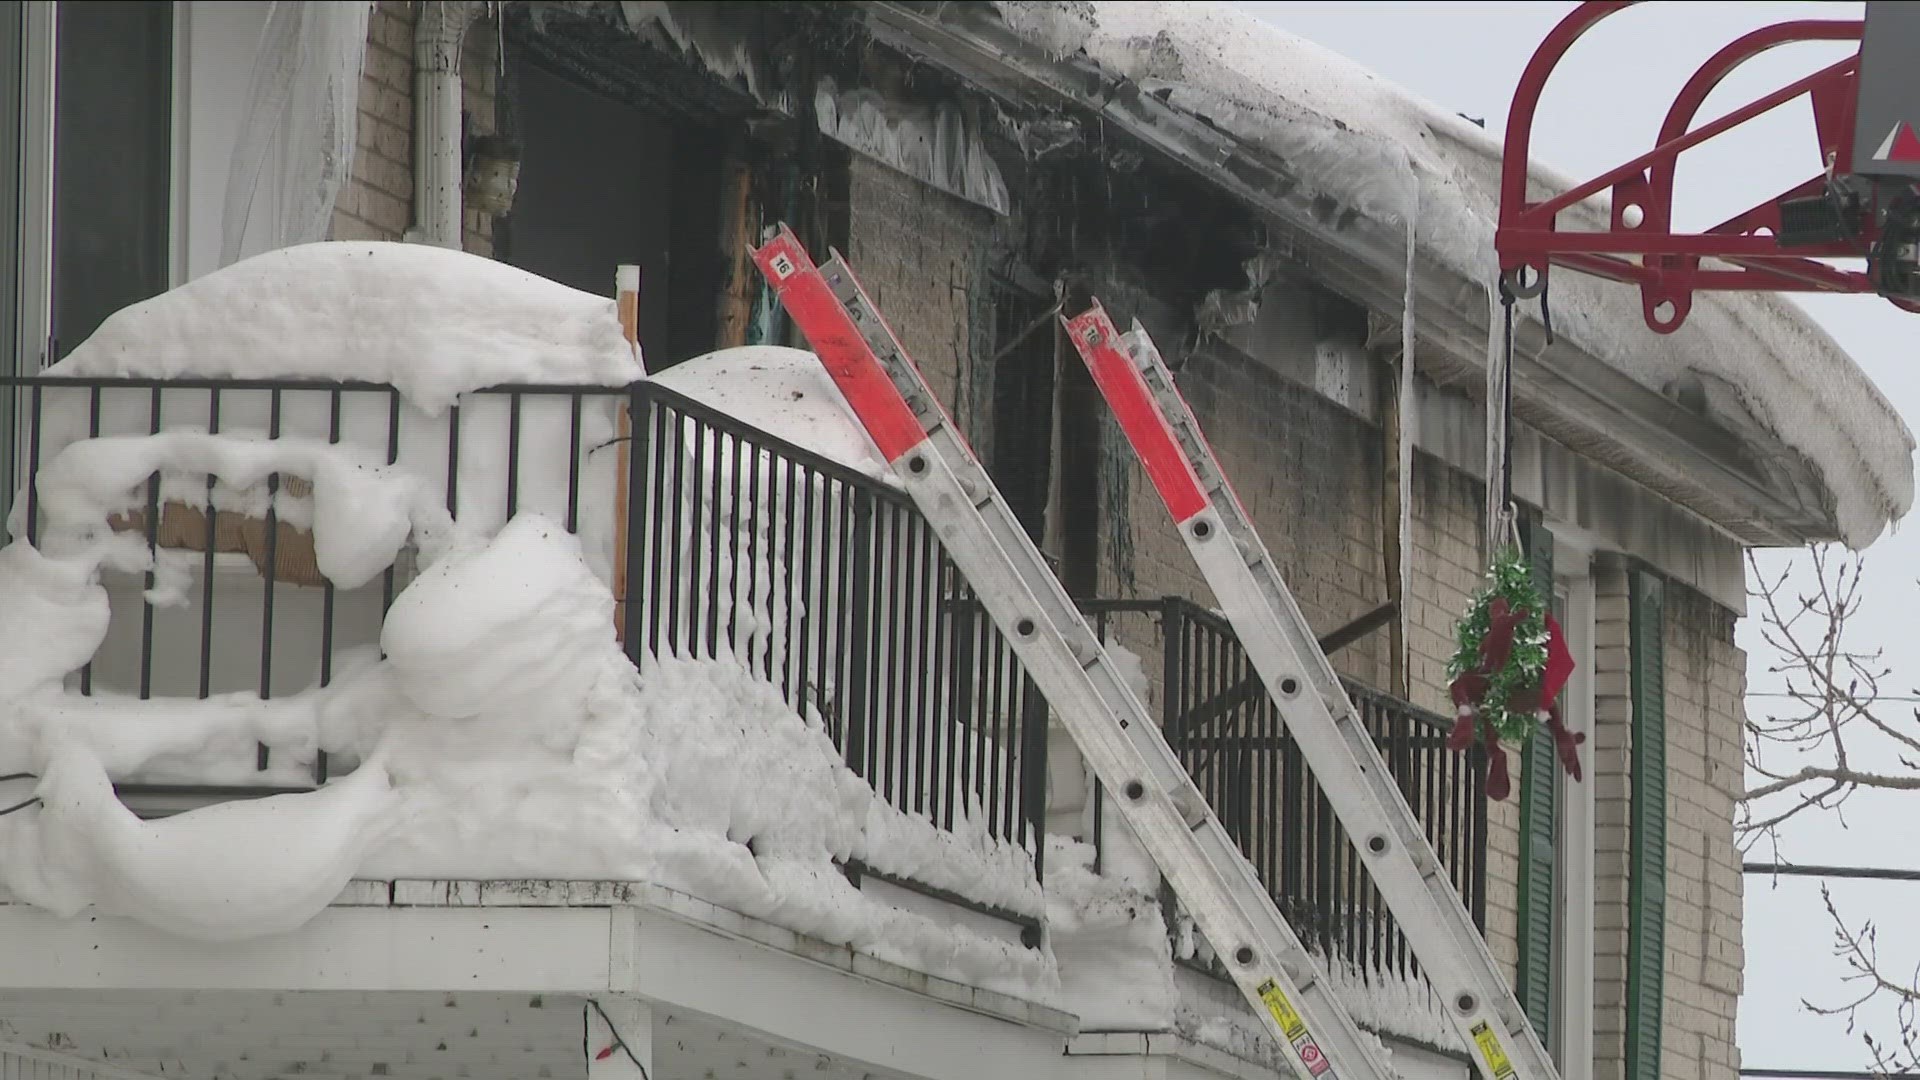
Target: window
pixel 112 162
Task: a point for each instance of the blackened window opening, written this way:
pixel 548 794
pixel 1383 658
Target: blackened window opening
pixel 1023 403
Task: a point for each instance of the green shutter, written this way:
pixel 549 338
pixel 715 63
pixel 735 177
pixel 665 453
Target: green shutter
pixel 1538 779
pixel 1647 822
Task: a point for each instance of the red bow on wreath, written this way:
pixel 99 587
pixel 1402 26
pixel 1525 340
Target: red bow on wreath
pixel 1470 688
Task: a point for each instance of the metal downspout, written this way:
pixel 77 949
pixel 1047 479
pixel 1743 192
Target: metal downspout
pixel 437 40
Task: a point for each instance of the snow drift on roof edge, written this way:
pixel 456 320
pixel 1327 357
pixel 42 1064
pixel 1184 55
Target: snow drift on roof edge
pixel 1346 131
pixel 433 322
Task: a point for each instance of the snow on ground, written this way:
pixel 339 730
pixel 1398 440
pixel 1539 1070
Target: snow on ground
pixel 435 323
pixel 1356 137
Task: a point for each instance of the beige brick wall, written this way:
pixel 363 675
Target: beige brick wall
pixel 376 203
pixel 1706 684
pixel 1309 475
pixel 918 252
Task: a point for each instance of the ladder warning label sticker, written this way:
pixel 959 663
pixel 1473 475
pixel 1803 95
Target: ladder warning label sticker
pixel 1490 1048
pixel 1310 1056
pixel 1283 1012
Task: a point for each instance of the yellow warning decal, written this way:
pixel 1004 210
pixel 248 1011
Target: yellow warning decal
pixel 1282 1010
pixel 1490 1048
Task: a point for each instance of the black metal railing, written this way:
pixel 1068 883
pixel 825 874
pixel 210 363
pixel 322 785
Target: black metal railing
pixel 733 544
pixel 831 586
pixel 1233 742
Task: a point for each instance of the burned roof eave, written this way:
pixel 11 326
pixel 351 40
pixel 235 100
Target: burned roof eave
pixel 1565 391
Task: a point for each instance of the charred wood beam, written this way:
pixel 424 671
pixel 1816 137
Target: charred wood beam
pixel 1251 689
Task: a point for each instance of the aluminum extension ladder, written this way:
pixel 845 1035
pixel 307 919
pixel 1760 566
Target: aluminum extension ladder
pixel 1065 659
pixel 1140 389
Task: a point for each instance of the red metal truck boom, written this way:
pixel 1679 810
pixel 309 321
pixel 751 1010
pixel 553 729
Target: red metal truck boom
pixel 1860 208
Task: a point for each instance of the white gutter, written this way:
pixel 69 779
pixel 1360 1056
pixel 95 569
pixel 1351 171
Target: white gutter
pixel 437 38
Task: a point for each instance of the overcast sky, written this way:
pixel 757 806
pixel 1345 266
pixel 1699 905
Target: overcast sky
pixel 1603 108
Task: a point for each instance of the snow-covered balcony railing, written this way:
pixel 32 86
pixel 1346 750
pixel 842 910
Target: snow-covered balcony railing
pixel 733 545
pixel 830 585
pixel 1233 742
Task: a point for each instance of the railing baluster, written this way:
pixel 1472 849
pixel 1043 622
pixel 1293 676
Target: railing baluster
pixel 576 403
pixel 33 451
pixel 326 596
pixel 726 474
pixel 211 536
pixel 513 453
pixel 683 534
pixel 153 551
pixel 639 452
pixel 261 753
pixel 858 643
pixel 890 673
pixel 393 458
pixel 763 608
pixel 922 673
pixel 33 460
pixel 959 683
pixel 660 569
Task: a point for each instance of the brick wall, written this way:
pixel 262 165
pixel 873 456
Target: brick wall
pixel 376 203
pixel 921 255
pixel 1706 684
pixel 1309 474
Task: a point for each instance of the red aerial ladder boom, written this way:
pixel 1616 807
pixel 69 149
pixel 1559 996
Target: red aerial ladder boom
pixel 1861 211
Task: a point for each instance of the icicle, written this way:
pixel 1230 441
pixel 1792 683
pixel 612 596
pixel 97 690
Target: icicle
pixel 1408 432
pixel 294 148
pixel 1496 428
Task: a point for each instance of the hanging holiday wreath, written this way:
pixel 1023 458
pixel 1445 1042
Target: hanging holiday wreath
pixel 1507 670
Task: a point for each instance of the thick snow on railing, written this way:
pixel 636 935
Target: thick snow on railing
pixel 499 728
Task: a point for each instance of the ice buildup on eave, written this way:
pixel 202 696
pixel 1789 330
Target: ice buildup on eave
pixel 1389 155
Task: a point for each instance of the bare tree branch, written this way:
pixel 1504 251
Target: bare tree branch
pixel 1804 759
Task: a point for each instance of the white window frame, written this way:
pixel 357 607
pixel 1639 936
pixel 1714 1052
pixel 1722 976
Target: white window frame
pixel 35 281
pixel 1573 963
pixel 198 96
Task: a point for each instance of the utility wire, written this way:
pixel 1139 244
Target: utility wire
pixel 1819 1073
pixel 1860 873
pixel 1813 697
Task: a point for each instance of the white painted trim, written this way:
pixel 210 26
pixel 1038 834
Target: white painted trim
pixel 36 185
pixel 1105 1054
pixel 1574 846
pixel 180 129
